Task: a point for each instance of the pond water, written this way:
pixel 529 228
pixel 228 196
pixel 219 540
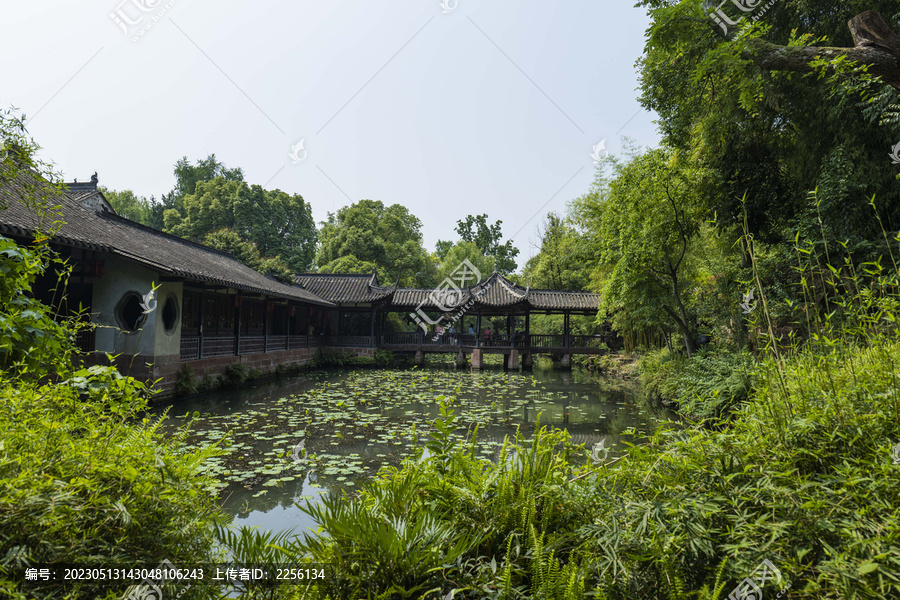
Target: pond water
pixel 289 440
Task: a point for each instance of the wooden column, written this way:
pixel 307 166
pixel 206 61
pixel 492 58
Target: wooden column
pixel 566 329
pixel 237 325
pixel 372 329
pixel 265 324
pixel 202 318
pixel 478 334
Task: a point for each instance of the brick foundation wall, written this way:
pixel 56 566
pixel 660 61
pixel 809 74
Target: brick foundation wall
pixel 165 368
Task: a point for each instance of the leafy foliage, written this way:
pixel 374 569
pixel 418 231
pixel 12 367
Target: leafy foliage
pixel 802 477
pixel 229 241
pixel 708 386
pixel 643 226
pixel 129 205
pixel 455 254
pixel 276 223
pixel 368 235
pixel 488 239
pixel 773 135
pixel 84 479
pixel 561 263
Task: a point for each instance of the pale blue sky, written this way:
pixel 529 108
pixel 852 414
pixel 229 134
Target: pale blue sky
pixel 491 107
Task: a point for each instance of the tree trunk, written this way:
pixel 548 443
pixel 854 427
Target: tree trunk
pixel 877 46
pixel 689 343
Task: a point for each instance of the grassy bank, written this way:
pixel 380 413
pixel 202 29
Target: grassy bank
pixel 802 478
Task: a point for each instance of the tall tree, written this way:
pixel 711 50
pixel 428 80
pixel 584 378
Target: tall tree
pixel 456 253
pixel 561 263
pixel 487 237
pixel 187 176
pixel 775 109
pixel 644 222
pixel 228 240
pixel 277 223
pixel 129 205
pixel 370 233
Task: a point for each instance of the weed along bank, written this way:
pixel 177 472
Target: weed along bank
pixel 160 304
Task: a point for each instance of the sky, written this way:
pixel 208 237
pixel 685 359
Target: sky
pixel 449 108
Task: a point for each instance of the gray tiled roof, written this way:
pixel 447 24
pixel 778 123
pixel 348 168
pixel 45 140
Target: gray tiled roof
pixel 345 288
pixel 498 292
pixel 107 232
pixel 558 300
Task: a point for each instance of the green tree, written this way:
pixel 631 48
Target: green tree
pixel 561 263
pixel 276 223
pixel 455 254
pixel 370 233
pixel 488 238
pixel 772 116
pixel 187 176
pixel 129 205
pixel 644 222
pixel 228 240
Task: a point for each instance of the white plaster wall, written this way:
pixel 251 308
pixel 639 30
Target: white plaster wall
pixel 123 276
pixel 165 343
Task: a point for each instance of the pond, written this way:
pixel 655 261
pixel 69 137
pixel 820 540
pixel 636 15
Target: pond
pixel 289 440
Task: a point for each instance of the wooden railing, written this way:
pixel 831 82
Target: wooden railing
pixel 547 341
pixel 405 338
pixel 252 344
pixel 345 341
pixel 257 344
pixel 190 348
pixel 276 342
pixel 585 341
pixel 218 346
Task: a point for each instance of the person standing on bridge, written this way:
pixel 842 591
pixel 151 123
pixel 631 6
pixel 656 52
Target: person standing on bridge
pixel 487 336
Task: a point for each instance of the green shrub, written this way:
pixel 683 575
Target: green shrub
pixel 185 383
pixel 208 383
pixel 384 358
pixel 80 484
pixel 449 520
pixel 83 479
pixel 236 374
pixel 336 358
pixel 709 385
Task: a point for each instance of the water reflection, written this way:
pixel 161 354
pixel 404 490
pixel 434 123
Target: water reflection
pixel 353 422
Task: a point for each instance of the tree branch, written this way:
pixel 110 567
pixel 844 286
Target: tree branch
pixel 680 228
pixel 877 47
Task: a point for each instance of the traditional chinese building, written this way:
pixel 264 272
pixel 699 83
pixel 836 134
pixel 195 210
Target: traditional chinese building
pixel 209 311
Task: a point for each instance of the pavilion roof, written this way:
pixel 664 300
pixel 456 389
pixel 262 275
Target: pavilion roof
pixel 345 288
pixel 497 292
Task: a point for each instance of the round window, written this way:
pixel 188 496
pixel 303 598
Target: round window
pixel 170 314
pixel 129 312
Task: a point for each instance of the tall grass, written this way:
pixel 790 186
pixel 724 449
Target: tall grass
pixel 803 477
